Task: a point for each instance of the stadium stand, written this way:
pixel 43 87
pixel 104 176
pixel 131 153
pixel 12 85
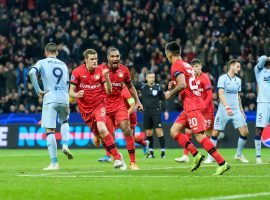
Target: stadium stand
pixel 214 31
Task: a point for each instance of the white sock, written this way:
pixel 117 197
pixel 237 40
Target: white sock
pixel 240 146
pixel 258 146
pixel 65 133
pixel 52 147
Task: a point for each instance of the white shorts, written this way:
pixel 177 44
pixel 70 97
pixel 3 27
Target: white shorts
pixel 222 118
pixel 53 111
pixel 263 115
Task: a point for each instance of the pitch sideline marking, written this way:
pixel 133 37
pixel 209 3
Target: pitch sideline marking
pixel 239 196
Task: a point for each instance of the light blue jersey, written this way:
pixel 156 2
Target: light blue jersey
pixel 55 78
pixel 263 80
pixel 231 86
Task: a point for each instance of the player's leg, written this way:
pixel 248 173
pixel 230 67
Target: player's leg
pixel 185 157
pixel 148 127
pixel 149 136
pixel 48 118
pixel 197 124
pixel 156 117
pixel 262 119
pixel 239 122
pixel 63 116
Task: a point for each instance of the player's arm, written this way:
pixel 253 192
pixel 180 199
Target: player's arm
pixel 181 84
pixel 33 77
pixel 134 94
pixel 261 62
pixel 73 93
pixel 223 100
pixel 108 83
pixel 164 103
pixel 132 105
pixel 208 88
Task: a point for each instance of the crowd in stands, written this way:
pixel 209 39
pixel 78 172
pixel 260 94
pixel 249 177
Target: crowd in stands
pixel 212 30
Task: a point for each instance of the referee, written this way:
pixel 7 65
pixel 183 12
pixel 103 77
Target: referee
pixel 152 96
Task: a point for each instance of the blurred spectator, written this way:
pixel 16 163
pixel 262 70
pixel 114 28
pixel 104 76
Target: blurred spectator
pixel 214 31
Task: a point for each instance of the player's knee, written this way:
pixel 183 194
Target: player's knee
pixel 173 133
pixel 215 133
pixel 127 131
pixel 159 132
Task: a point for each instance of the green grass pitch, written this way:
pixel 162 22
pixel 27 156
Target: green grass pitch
pixel 21 177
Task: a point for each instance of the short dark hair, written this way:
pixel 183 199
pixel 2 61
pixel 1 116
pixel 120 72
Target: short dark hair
pixel 231 62
pixel 196 61
pixel 110 50
pixel 149 72
pixel 89 52
pixel 173 47
pixel 51 47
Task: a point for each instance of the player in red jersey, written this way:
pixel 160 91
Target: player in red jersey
pixel 117 113
pixel 183 81
pixel 205 88
pixel 131 106
pixel 87 86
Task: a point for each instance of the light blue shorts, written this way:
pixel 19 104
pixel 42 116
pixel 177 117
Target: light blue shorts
pixel 53 111
pixel 263 115
pixel 221 120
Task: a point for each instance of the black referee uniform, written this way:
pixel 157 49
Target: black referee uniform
pixel 152 96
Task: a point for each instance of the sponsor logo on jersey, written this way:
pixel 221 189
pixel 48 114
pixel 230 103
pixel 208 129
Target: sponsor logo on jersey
pixel 83 76
pixel 266 79
pixel 232 91
pixel 117 84
pixel 91 87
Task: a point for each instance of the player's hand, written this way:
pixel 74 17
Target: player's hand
pixel 170 85
pixel 41 93
pixel 167 94
pixel 139 106
pixel 80 94
pixel 229 110
pixel 105 73
pixel 166 115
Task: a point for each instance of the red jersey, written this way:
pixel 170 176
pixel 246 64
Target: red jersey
pixel 204 83
pixel 118 77
pixel 91 83
pixel 190 96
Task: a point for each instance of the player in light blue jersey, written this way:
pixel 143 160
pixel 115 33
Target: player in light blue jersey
pixel 262 73
pixel 55 78
pixel 230 109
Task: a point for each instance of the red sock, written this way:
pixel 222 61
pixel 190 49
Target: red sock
pixel 108 153
pixel 189 136
pixel 130 142
pixel 183 141
pixel 140 141
pixel 211 149
pixel 110 146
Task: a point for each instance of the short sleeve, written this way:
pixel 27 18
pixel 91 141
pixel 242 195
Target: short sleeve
pixel 38 66
pixel 206 82
pixel 75 78
pixel 221 82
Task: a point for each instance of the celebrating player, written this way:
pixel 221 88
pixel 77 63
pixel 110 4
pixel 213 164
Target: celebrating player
pixel 262 73
pixel 131 106
pixel 184 81
pixel 87 85
pixel 117 113
pixel 54 75
pixel 205 87
pixel 230 109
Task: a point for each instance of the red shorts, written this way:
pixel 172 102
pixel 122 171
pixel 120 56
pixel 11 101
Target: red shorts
pixel 91 119
pixel 193 120
pixel 209 120
pixel 113 119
